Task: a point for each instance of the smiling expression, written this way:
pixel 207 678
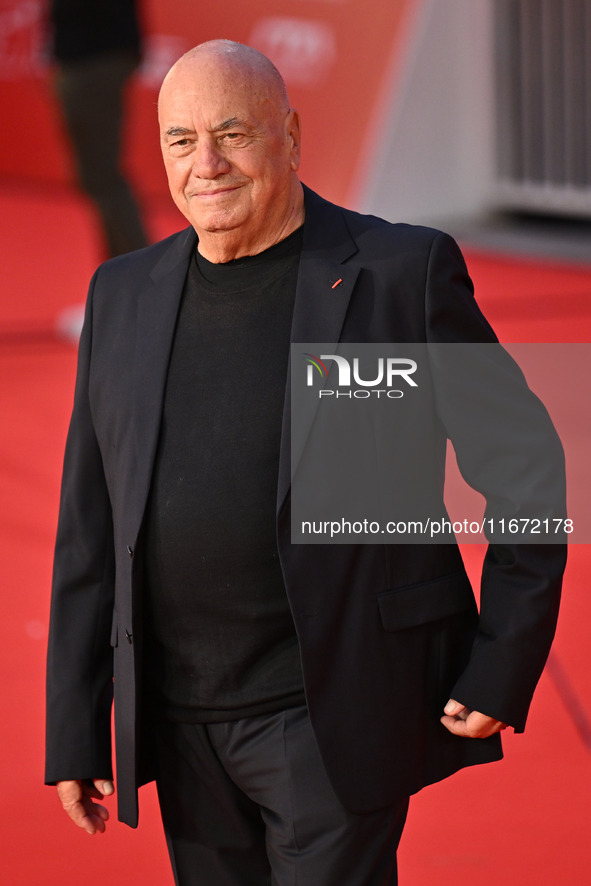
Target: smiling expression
pixel 230 144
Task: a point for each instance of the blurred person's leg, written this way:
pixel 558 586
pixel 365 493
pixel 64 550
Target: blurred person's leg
pixel 91 96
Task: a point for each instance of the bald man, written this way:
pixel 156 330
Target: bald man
pixel 286 698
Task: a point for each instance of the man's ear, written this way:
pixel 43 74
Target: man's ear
pixel 293 132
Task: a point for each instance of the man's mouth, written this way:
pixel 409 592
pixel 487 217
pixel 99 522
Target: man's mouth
pixel 215 192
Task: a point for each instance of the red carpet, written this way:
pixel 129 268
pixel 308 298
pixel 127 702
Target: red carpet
pixel 523 821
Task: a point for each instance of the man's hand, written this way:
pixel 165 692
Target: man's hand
pixel 460 720
pixel 77 799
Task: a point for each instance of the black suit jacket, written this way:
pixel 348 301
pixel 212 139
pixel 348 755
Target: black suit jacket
pixel 387 632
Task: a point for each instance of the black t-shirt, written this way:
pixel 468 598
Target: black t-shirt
pixel 221 643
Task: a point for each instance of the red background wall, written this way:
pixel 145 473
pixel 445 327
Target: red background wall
pixel 336 57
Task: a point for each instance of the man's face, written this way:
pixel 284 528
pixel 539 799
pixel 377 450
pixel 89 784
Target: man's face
pixel 230 149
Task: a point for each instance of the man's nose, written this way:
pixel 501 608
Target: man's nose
pixel 208 161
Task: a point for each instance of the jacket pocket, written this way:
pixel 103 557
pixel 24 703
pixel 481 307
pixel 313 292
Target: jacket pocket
pixel 425 602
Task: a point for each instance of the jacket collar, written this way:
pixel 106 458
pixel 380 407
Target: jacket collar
pixel 324 288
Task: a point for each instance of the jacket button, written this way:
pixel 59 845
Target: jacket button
pixel 130 550
pixel 128 636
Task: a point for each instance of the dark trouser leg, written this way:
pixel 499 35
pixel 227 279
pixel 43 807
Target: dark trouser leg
pixel 214 832
pixel 91 96
pixel 260 782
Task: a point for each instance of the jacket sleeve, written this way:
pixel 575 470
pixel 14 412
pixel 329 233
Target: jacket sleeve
pixel 80 659
pixel 507 449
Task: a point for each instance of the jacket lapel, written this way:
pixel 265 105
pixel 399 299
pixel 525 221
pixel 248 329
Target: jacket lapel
pixel 324 288
pixel 158 307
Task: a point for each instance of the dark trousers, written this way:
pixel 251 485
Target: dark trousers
pixel 90 92
pixel 248 803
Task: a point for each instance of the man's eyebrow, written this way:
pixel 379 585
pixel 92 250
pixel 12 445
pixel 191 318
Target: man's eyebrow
pixel 229 124
pixel 177 130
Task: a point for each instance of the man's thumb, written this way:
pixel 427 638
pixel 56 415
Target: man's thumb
pixel 453 707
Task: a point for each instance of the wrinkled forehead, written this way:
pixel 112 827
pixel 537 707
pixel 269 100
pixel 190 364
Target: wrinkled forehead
pixel 214 87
